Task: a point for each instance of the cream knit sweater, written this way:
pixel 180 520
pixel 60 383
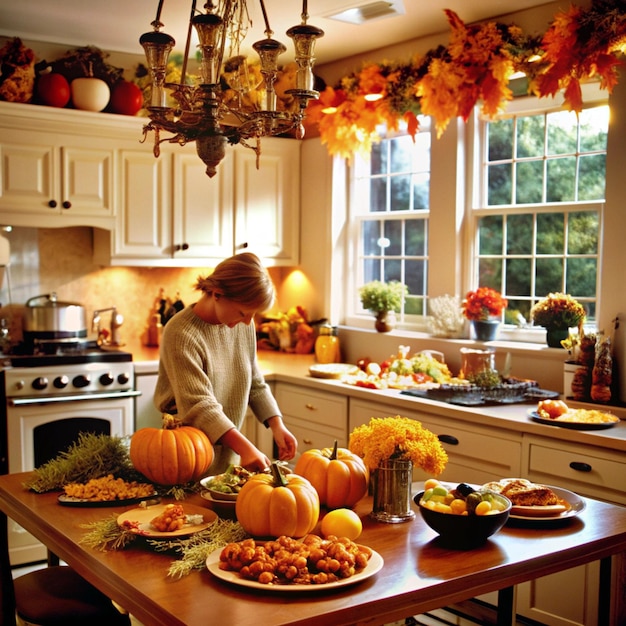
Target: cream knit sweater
pixel 208 376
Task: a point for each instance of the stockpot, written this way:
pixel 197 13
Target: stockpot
pixel 47 318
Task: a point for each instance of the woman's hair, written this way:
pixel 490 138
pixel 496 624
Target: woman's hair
pixel 243 279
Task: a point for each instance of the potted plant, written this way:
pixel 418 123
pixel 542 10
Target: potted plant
pixel 483 307
pixel 384 300
pixel 557 313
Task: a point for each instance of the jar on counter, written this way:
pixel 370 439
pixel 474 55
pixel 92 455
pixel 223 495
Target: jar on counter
pixel 327 345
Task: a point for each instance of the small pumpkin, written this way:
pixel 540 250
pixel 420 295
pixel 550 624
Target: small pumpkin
pixel 270 505
pixel 339 476
pixel 172 455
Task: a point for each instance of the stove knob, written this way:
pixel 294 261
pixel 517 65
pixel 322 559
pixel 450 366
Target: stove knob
pixel 123 379
pixel 60 382
pixel 81 381
pixel 40 383
pixel 107 379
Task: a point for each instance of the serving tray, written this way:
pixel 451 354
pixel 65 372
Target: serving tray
pixel 472 395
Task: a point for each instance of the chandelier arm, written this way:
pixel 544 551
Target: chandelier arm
pixel 305 11
pixel 268 31
pixel 157 19
pixel 183 73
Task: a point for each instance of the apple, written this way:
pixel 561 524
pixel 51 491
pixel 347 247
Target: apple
pixel 126 98
pixel 53 89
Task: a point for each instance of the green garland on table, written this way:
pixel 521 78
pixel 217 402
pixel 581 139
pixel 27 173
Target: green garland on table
pixel 107 535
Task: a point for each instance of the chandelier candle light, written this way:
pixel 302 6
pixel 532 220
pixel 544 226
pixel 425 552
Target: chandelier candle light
pixel 202 113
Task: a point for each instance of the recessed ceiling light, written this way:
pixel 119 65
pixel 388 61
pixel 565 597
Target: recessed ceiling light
pixel 368 11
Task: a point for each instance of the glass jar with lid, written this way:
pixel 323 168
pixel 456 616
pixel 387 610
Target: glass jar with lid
pixel 327 345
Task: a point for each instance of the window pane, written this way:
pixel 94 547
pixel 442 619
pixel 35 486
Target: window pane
pixel 421 192
pixel 491 273
pixel 415 278
pixel 500 140
pixel 378 195
pixel 562 132
pixel 414 305
pixel 378 159
pixel 393 270
pixel 519 234
pixel 518 273
pixel 561 182
pixel 592 177
pixel 517 306
pixel 401 154
pixel 490 234
pixel 371 270
pixel 393 235
pixel 581 277
pixel 370 238
pixel 549 276
pixel 582 233
pixel 400 193
pixel 530 139
pixel 499 184
pixel 415 244
pixel 529 182
pixel 550 229
pixel 594 123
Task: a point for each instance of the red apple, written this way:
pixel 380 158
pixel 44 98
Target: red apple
pixel 53 89
pixel 126 98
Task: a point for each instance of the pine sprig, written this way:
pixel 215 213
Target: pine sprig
pixel 196 549
pixel 91 456
pixel 107 534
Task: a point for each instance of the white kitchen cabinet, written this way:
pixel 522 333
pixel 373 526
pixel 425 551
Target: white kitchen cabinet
pixel 173 214
pixel 316 418
pixel 50 179
pixel 146 414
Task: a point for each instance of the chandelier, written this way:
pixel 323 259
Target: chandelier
pixel 215 112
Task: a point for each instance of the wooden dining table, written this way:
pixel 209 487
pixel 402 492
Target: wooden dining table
pixel 419 574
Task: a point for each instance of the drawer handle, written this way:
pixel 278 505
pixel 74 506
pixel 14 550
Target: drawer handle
pixel 307 442
pixel 579 466
pixel 311 407
pixel 451 439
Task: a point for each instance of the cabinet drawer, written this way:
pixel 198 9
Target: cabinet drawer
pixel 312 437
pixel 594 472
pixel 325 409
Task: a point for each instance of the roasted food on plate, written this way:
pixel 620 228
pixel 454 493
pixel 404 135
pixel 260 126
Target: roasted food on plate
pixel 522 492
pixel 107 488
pixel 558 411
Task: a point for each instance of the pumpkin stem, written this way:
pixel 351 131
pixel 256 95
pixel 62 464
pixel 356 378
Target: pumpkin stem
pixel 170 422
pixel 333 454
pixel 277 475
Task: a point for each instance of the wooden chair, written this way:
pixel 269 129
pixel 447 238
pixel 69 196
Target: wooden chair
pixel 51 596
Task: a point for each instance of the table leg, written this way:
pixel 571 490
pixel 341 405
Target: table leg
pixel 7 594
pixel 505 607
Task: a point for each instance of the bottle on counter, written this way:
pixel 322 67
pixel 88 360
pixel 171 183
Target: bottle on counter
pixel 327 345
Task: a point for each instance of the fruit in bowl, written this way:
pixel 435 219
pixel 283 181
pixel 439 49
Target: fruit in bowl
pixel 226 486
pixel 463 517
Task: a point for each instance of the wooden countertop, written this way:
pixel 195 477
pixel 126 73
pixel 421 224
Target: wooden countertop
pixel 419 573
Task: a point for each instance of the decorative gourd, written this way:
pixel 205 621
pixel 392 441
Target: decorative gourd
pixel 172 455
pixel 270 505
pixel 339 476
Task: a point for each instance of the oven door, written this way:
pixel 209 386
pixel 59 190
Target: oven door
pixel 38 430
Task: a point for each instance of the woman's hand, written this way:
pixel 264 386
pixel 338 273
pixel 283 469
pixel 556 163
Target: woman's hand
pixel 285 441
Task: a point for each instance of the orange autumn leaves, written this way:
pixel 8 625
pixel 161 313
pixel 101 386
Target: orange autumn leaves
pixel 475 67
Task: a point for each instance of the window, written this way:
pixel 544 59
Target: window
pixel 540 210
pixel 390 203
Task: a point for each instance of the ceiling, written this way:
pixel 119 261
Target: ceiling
pixel 115 25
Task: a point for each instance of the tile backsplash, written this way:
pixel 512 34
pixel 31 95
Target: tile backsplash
pixel 60 260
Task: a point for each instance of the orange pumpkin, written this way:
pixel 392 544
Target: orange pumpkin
pixel 171 455
pixel 270 505
pixel 339 476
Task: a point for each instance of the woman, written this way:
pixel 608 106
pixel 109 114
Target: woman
pixel 208 372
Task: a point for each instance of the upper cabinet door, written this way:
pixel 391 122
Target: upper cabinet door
pixel 202 207
pixel 267 201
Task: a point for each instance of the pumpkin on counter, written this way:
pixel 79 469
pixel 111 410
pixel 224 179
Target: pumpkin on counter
pixel 339 476
pixel 271 505
pixel 172 455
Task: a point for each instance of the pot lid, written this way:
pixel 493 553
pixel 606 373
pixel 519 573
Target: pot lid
pixel 48 300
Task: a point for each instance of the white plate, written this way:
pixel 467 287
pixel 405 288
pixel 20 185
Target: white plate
pixel 144 515
pixel 332 370
pixel 373 566
pixel 575 504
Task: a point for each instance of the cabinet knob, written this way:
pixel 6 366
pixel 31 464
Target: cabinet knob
pixel 52 204
pixel 67 204
pixel 451 439
pixel 311 407
pixel 307 442
pixel 244 245
pixel 181 246
pixel 579 466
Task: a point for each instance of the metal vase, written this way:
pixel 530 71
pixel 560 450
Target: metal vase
pixel 392 491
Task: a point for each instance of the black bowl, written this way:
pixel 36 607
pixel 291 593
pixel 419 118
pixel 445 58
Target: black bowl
pixel 464 531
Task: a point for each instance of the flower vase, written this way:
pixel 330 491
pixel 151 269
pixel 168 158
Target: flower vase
pixel 485 330
pixel 385 321
pixel 392 491
pixel 554 336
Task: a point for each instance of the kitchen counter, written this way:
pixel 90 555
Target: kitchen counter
pixel 294 368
